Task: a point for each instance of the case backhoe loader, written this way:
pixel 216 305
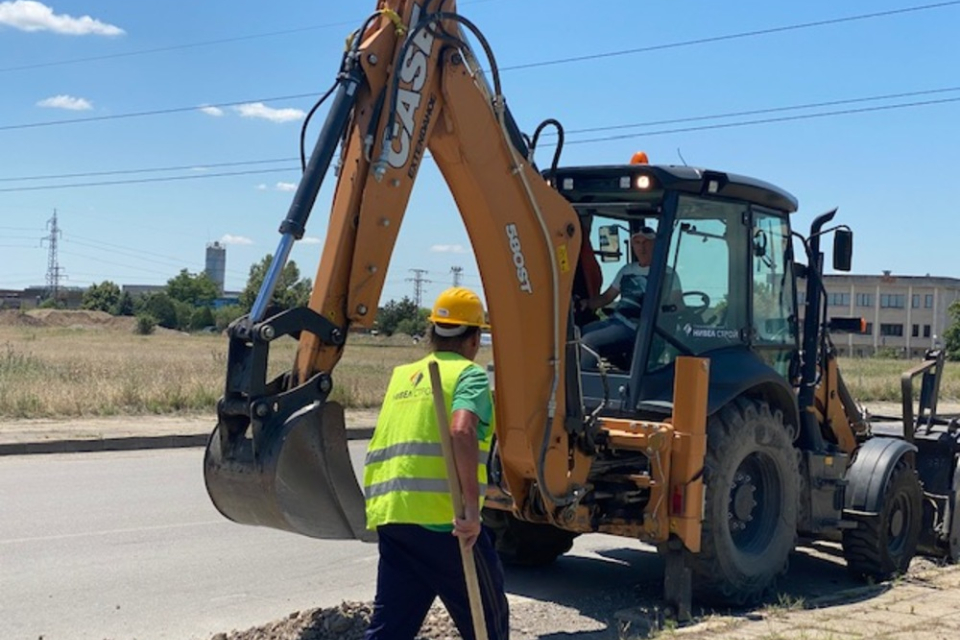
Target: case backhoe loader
pixel 720 435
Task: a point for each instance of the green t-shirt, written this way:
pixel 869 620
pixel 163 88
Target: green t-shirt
pixel 473 394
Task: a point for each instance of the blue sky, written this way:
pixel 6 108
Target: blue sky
pixel 890 169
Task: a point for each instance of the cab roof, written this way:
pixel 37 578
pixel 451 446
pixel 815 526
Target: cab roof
pixel 617 183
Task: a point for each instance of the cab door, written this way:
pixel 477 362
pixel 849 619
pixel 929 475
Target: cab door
pixel 773 301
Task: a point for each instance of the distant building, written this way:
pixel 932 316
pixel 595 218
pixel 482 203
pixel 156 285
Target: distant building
pixel 11 299
pixel 142 289
pixel 227 299
pixel 905 313
pixel 67 297
pixel 216 264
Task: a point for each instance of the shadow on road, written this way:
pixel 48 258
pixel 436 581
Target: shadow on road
pixel 600 584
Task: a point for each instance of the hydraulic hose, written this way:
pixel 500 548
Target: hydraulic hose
pixel 499 107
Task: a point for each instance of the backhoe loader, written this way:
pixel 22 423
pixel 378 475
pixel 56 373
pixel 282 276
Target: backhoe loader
pixel 721 434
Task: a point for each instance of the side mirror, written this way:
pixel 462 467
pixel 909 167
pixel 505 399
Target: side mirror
pixel 609 246
pixel 842 249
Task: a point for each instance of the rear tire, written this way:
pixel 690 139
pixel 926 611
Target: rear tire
pixel 526 544
pixel 750 505
pixel 883 545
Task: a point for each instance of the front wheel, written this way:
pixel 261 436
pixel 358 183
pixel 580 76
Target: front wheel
pixel 750 504
pixel 882 545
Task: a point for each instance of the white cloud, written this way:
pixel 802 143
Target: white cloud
pixel 260 110
pixel 448 248
pixel 286 186
pixel 66 102
pixel 211 111
pixel 28 15
pixel 310 240
pixel 231 239
pixel 261 187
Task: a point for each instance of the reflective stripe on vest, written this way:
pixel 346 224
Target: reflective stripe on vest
pixel 405 476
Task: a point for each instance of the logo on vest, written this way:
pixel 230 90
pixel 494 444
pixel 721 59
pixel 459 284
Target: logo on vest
pixel 416 378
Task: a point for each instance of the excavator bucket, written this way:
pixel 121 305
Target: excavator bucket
pixel 296 476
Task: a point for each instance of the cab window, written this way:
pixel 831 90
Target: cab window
pixel 705 306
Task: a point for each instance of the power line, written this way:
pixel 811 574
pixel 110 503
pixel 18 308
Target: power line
pixel 752 112
pixel 139 254
pixel 154 112
pixel 195 166
pixel 176 47
pixel 731 36
pixel 729 114
pixel 148 180
pixel 530 65
pixel 729 125
pixel 191 45
pixel 625 136
pixel 101 261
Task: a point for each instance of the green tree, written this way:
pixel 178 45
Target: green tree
pixel 225 315
pixel 126 306
pixel 291 291
pixel 403 317
pixel 951 337
pixel 52 303
pixel 102 297
pixel 161 308
pixel 201 317
pixel 145 324
pixel 194 289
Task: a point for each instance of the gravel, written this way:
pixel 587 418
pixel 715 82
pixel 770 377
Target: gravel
pixel 604 611
pixel 595 620
pixel 348 621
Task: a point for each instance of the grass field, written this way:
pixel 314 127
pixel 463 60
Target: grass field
pixel 59 372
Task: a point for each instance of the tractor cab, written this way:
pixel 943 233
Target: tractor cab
pixel 719 281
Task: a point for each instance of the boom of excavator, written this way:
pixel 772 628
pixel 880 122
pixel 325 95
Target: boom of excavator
pixel 629 449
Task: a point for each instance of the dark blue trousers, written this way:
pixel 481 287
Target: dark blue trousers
pixel 416 566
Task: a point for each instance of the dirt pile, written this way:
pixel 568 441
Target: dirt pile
pixel 67 319
pixel 348 621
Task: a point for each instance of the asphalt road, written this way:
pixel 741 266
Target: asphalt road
pixel 127 545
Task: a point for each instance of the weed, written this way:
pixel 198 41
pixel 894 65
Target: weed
pixel 54 372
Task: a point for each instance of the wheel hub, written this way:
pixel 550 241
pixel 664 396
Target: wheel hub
pixel 743 502
pixel 897 520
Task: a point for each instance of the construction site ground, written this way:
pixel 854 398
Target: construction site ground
pixel 817 600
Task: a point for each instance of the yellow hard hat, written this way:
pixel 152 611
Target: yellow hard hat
pixel 459 306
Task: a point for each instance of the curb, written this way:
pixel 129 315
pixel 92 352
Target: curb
pixel 131 443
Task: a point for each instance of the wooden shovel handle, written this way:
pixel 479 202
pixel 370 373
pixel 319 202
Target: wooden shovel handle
pixel 466 555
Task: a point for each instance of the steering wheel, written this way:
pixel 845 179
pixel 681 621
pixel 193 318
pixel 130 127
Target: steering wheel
pixel 703 305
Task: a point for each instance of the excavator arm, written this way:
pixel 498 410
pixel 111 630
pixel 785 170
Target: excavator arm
pixel 409 83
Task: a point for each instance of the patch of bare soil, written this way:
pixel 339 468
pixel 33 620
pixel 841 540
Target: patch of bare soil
pixel 70 319
pixel 348 621
pixel 818 581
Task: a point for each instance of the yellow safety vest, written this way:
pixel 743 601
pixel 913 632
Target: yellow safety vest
pixel 405 476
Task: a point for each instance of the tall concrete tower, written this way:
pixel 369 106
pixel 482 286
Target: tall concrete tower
pixel 216 264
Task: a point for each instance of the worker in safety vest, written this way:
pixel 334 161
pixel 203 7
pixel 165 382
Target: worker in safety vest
pixel 406 488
